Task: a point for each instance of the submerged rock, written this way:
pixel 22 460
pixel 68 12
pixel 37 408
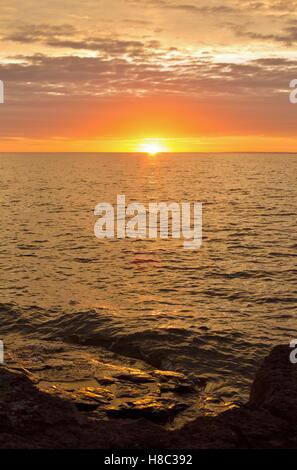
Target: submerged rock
pixel 101 382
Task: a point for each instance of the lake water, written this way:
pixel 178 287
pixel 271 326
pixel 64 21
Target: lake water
pixel 214 312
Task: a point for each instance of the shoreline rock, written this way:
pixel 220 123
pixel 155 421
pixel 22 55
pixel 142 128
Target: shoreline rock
pixel 32 418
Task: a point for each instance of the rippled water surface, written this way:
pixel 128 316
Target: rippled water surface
pixel 214 312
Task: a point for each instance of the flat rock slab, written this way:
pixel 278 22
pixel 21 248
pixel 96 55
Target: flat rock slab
pixel 96 380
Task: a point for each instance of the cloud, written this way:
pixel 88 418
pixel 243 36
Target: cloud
pixel 205 9
pixel 287 37
pixel 271 6
pixel 30 33
pixel 67 37
pixel 151 73
pixel 91 74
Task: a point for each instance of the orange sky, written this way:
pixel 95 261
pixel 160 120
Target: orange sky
pixel 133 75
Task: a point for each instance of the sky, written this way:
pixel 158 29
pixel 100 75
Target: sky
pixel 131 75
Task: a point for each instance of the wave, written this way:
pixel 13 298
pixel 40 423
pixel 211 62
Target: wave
pixel 199 352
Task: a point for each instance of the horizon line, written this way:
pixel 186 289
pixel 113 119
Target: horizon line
pixel 147 154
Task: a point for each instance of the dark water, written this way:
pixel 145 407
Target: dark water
pixel 214 312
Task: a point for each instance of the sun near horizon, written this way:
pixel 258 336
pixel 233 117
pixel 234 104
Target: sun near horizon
pixel 152 146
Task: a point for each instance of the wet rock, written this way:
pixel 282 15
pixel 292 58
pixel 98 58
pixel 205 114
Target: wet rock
pixel 95 380
pixel 32 418
pixel 100 395
pixel 175 382
pixel 160 411
pixel 105 380
pixel 88 399
pixel 213 399
pixel 138 377
pixel 177 388
pixel 275 385
pixel 166 375
pixel 266 421
pixel 86 406
pixel 128 392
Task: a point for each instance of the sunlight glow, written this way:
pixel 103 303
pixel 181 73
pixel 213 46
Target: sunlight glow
pixel 152 147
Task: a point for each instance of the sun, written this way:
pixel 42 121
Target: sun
pixel 152 147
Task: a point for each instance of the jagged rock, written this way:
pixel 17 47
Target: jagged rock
pixel 275 385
